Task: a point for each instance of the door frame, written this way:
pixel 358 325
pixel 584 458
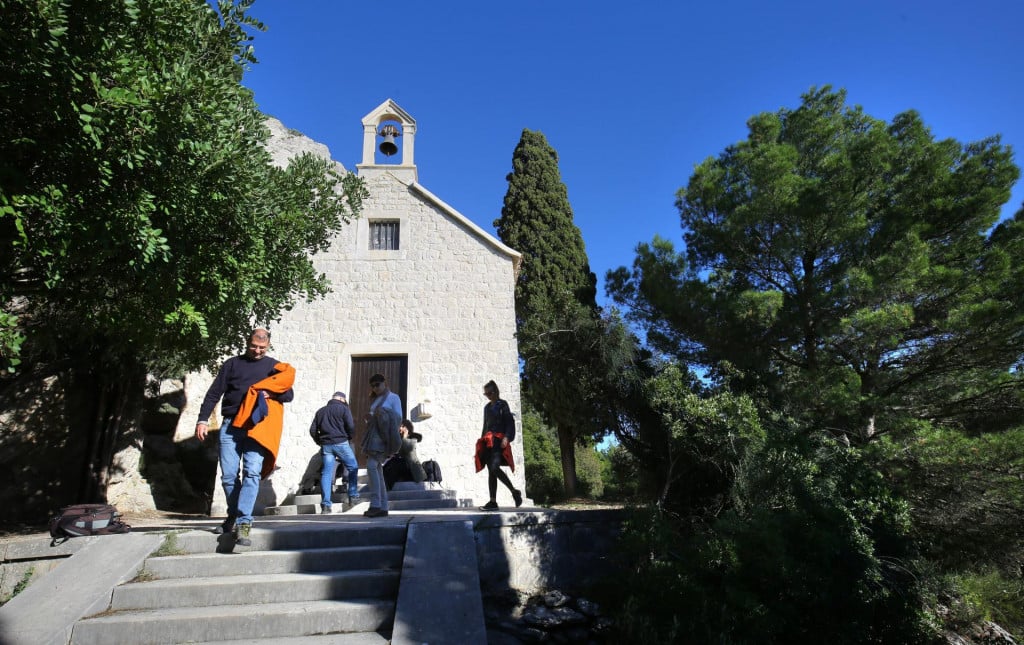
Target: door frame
pixel 344 381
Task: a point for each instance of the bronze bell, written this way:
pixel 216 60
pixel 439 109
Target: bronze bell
pixel 387 146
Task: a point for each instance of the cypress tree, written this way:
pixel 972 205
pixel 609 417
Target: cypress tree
pixel 558 321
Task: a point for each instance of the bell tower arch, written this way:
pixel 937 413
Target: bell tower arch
pixel 396 130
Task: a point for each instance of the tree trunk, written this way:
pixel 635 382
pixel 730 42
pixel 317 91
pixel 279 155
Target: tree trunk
pixel 104 407
pixel 567 446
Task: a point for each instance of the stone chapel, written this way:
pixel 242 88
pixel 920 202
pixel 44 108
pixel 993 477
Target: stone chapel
pixel 419 293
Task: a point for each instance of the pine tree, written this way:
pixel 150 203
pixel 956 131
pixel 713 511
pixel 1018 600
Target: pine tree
pixel 841 269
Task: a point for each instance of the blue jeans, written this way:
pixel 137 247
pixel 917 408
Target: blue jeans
pixel 332 454
pixel 240 453
pixel 378 489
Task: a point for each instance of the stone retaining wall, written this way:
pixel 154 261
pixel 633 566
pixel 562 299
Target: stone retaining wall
pixel 527 553
pixel 534 552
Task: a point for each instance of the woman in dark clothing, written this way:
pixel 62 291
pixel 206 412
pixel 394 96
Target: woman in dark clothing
pixel 493 448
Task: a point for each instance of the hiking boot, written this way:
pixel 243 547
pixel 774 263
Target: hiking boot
pixel 242 535
pixel 490 506
pixel 325 509
pixel 376 512
pixel 227 526
pixel 518 496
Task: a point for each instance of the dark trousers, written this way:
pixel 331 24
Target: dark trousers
pixel 494 461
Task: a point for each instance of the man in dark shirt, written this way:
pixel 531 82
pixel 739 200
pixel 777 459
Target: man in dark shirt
pixel 332 430
pixel 232 384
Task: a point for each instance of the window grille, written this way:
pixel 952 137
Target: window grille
pixel 384 235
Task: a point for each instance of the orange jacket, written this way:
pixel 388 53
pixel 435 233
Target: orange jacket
pixel 268 431
pixel 485 443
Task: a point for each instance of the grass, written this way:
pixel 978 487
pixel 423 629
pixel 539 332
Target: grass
pixel 22 584
pixel 169 546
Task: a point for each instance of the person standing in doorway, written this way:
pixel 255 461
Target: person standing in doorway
pixel 332 429
pixel 493 448
pixel 385 416
pixel 254 388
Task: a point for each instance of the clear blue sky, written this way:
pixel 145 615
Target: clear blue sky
pixel 630 94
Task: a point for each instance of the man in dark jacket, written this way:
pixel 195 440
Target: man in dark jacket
pixel 332 429
pixel 241 457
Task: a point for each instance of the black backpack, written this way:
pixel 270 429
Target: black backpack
pixel 433 471
pixel 80 520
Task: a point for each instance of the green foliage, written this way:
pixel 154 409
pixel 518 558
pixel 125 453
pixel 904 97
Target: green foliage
pixel 542 461
pixel 848 277
pixel 994 596
pixel 841 270
pixel 691 441
pixel 544 482
pixel 589 468
pixel 569 350
pixel 967 494
pixel 23 583
pixel 169 546
pixel 158 229
pixel 10 342
pixel 143 227
pixel 620 472
pixel 815 550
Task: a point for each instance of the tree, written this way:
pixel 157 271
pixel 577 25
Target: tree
pixel 544 482
pixel 144 228
pixel 841 270
pixel 569 350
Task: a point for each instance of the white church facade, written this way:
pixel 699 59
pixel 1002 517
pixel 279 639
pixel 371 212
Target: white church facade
pixel 419 293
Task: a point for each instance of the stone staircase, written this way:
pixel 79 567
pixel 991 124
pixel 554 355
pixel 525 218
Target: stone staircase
pixel 310 583
pixel 404 496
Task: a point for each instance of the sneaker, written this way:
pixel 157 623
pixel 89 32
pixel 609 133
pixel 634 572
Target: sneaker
pixel 227 526
pixel 372 509
pixel 518 496
pixel 376 512
pixel 325 510
pixel 490 506
pixel 242 535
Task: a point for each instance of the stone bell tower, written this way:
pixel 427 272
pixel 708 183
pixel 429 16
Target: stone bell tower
pixel 396 131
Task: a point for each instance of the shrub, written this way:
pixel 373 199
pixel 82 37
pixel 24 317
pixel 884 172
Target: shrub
pixel 814 549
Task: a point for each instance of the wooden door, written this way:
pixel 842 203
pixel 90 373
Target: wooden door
pixel 395 370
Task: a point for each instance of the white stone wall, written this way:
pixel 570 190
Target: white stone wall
pixel 445 299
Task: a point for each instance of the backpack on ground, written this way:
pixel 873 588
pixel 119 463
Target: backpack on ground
pixel 80 520
pixel 433 471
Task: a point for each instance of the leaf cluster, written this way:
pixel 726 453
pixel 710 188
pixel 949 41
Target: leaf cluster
pixel 814 549
pixel 140 215
pixel 843 271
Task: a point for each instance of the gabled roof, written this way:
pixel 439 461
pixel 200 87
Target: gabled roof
pixel 487 238
pixel 388 110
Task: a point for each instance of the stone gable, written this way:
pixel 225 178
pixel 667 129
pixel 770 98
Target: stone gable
pixel 445 300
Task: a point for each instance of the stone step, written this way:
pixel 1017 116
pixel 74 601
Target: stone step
pixel 420 504
pixel 362 638
pixel 256 589
pixel 206 624
pixel 404 496
pixel 320 535
pixel 395 493
pixel 205 565
pixel 393 504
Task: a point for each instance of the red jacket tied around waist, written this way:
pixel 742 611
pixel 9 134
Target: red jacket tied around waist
pixel 486 443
